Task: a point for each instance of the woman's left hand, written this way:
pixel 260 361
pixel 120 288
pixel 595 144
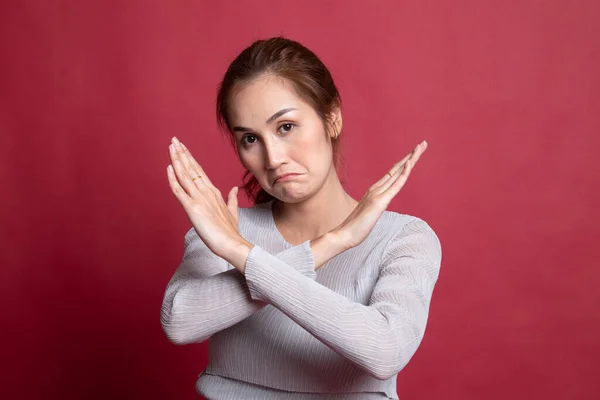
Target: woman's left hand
pixel 215 222
pixel 361 221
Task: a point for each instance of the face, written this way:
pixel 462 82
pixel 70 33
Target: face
pixel 277 133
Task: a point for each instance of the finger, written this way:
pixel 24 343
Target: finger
pixel 391 172
pixel 398 166
pixel 391 179
pixel 395 168
pixel 195 168
pixel 181 172
pixel 176 188
pixel 412 157
pixel 184 156
pixel 393 186
pixel 232 202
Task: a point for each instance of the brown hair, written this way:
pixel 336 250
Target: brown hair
pixel 290 60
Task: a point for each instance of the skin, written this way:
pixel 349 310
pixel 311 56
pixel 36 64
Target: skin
pixel 313 202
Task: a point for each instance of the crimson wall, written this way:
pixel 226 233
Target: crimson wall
pixel 505 92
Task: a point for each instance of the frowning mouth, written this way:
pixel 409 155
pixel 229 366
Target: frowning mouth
pixel 285 177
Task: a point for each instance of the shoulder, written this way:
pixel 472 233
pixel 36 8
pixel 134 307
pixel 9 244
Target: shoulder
pixel 398 223
pixel 255 211
pixel 255 220
pixel 253 215
pixel 408 233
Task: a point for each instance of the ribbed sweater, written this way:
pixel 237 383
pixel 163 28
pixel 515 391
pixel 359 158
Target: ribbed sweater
pixel 282 330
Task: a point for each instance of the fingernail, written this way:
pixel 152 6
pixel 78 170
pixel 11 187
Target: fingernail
pixel 175 140
pixel 172 148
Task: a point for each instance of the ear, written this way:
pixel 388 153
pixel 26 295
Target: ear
pixel 336 121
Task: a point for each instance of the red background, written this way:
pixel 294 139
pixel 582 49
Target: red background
pixel 505 92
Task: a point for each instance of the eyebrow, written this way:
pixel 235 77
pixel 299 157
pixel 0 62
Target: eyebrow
pixel 271 119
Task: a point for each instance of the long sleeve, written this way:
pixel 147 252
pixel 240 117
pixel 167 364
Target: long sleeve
pixel 204 296
pixel 380 337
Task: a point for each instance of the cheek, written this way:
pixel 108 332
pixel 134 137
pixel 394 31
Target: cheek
pixel 318 153
pixel 252 161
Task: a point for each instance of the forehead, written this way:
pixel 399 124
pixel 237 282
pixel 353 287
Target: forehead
pixel 257 100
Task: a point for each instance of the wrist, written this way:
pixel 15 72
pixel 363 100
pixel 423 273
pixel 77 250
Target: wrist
pixel 338 241
pixel 236 253
pixel 328 246
pixel 341 239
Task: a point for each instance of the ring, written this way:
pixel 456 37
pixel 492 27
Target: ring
pixel 196 177
pixel 389 174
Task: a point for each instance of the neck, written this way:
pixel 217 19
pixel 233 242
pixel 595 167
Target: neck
pixel 315 216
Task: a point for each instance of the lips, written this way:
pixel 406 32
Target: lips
pixel 282 176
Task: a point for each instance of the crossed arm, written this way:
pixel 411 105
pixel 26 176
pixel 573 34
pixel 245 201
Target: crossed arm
pixel 204 297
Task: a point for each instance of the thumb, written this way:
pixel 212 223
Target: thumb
pixel 232 202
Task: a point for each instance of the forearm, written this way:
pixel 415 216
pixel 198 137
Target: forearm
pixel 192 305
pixel 323 248
pixel 378 339
pixel 192 309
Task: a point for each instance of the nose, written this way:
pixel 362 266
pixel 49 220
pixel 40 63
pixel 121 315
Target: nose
pixel 275 154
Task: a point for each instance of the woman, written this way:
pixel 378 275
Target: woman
pixel 309 294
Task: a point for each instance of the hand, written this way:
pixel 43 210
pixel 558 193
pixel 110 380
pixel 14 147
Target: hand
pixel 215 222
pixel 363 218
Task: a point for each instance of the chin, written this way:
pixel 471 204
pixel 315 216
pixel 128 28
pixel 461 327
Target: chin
pixel 291 195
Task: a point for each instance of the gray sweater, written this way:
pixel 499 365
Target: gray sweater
pixel 282 330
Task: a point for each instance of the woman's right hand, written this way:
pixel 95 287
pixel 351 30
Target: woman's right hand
pixel 361 221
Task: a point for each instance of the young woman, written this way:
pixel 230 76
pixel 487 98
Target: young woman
pixel 308 294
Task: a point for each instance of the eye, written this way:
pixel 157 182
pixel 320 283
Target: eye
pixel 285 128
pixel 249 139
